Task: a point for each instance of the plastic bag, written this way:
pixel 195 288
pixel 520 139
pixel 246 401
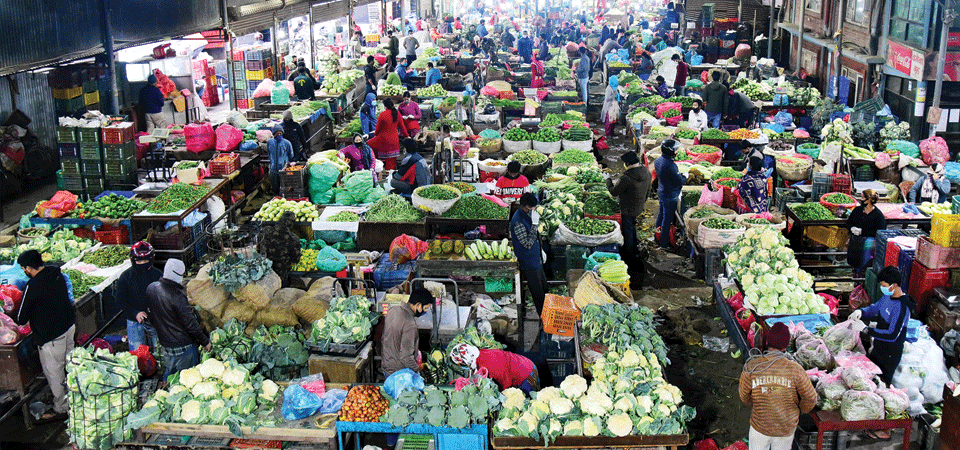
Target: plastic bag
pixel 58 206
pixel 199 137
pixel 237 119
pixel 313 383
pixel 831 387
pixel 264 89
pixel 299 403
pixel 264 135
pixel 405 248
pixel 145 361
pixel 8 336
pixel 249 145
pixel 402 380
pixel 323 176
pixel 706 444
pixel 814 353
pixel 593 260
pixel 883 160
pixel 710 197
pixel 895 401
pixel 934 150
pixel 666 106
pixel 743 51
pixel 842 337
pixel 333 401
pixel 7 322
pixel 696 60
pixel 564 236
pixel 15 276
pixel 330 260
pixel 783 118
pixel 11 296
pixel 855 378
pixel 859 298
pixel 857 405
pixel 228 138
pixel 280 95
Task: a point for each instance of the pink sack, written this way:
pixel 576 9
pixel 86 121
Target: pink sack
pixel 264 135
pixel 7 322
pixel 663 107
pixel 934 150
pixel 710 197
pixel 8 336
pixel 743 51
pixel 489 90
pixel 199 137
pixel 264 89
pixel 228 138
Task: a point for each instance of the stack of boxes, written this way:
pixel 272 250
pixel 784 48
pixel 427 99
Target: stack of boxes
pixel 69 148
pixel 119 156
pixel 91 160
pixel 202 71
pixel 81 88
pixel 69 101
pixel 250 67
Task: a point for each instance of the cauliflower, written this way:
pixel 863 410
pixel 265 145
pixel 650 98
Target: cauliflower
pixel 160 395
pixel 573 428
pixel 662 410
pixel 234 377
pixel 599 372
pixel 573 386
pixel 211 368
pixel 190 377
pixel 548 393
pixel 620 424
pixel 630 358
pixel 215 404
pixel 591 426
pixel 540 408
pixel 191 411
pixel 596 403
pixel 644 405
pixel 151 403
pixel 230 392
pixel 561 406
pixel 269 391
pixel 527 423
pixel 503 425
pixel 205 389
pixel 176 389
pixel 555 428
pixel 514 398
pixel 624 403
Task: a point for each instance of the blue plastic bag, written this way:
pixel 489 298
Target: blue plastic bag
pixel 16 276
pixel 776 128
pixel 952 171
pixel 402 380
pixel 330 260
pixel 696 60
pixel 299 403
pixel 249 145
pixel 783 118
pixel 333 401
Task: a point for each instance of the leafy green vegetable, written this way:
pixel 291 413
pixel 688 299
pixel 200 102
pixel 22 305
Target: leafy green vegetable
pixel 455 126
pixel 393 208
pixel 713 133
pixel 726 172
pixel 437 192
pixel 233 271
pixel 839 198
pixel 348 320
pixel 475 207
pixel 573 156
pixel 82 282
pixel 528 157
pixel 177 197
pixel 108 256
pixel 591 227
pixel 719 223
pixel 812 211
pixel 600 204
pixel 702 149
pixel 701 213
pixel 516 134
pixel 279 352
pixel 344 216
pixel 547 135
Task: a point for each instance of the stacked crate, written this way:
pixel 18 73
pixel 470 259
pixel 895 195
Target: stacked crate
pixel 257 67
pixel 69 101
pixel 241 96
pixel 202 71
pixel 293 183
pixel 68 147
pixel 119 156
pixel 91 95
pixel 91 160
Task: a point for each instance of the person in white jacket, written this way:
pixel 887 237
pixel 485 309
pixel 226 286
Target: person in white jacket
pixel 698 117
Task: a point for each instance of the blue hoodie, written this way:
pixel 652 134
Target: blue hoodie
pixel 892 315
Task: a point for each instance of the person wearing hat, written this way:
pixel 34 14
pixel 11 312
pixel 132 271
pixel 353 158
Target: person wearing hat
pixel 670 183
pixel 151 102
pixel 281 153
pixel 359 155
pixel 778 390
pixel 46 307
pixel 863 222
pixel 740 110
pixel 526 246
pixel 891 311
pixel 177 326
pixel 631 191
pixel 934 187
pixel 610 112
pixel 512 185
pixel 304 85
pixel 412 172
pixel 294 133
pixel 752 188
pixel 131 295
pixel 662 89
pixel 368 114
pixel 508 370
pixel 433 75
pixel 400 342
pixel 525 47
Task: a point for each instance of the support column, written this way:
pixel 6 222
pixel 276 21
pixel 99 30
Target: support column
pixel 107 39
pixel 803 15
pixel 228 49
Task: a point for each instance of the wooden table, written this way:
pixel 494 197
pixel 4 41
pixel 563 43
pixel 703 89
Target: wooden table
pixel 672 441
pixel 831 421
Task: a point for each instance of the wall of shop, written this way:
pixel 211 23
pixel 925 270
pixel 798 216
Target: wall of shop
pixel 31 93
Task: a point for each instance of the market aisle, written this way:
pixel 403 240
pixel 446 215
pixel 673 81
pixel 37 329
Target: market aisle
pixel 26 202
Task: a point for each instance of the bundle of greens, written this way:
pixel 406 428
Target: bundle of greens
pixel 591 227
pixel 279 352
pixel 102 391
pixel 177 197
pixel 600 204
pixel 439 407
pixel 573 156
pixel 455 126
pixel 233 271
pixel 231 341
pixel 392 208
pixel 719 223
pixel 108 256
pixel 475 207
pixel 437 192
pixel 528 157
pixel 82 282
pixel 812 211
pixel 344 216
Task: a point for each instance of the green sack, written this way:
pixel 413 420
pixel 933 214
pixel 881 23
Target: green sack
pixel 322 197
pixel 324 175
pixel 359 184
pixel 343 197
pixel 597 258
pixel 330 260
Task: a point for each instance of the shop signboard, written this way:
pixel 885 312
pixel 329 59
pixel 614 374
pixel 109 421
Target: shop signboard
pixel 905 59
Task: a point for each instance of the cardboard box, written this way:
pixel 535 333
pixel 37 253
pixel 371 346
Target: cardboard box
pixel 190 175
pixel 341 369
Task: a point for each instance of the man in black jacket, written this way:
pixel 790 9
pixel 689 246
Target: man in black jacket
pixel 46 308
pixel 131 293
pixel 293 132
pixel 177 326
pixel 631 190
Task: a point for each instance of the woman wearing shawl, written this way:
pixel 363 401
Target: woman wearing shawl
pixel 359 155
pixel 410 111
pixel 611 105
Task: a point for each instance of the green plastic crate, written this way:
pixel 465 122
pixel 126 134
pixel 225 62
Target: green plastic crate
pixel 66 134
pixel 121 167
pixel 91 152
pixel 89 135
pixel 92 167
pixel 871 285
pixel 415 442
pixel 73 183
pixel 119 151
pixel 70 166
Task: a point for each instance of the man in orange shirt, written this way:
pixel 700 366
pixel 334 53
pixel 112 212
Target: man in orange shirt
pixel 512 185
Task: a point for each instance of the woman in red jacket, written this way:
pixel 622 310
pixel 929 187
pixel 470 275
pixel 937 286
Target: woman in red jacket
pixel 386 140
pixel 410 112
pixel 507 369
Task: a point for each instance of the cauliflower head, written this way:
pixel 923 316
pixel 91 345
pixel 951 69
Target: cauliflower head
pixel 190 377
pixel 191 411
pixel 595 403
pixel 205 389
pixel 548 393
pixel 269 391
pixel 573 386
pixel 620 424
pixel 211 368
pixel 235 377
pixel 573 428
pixel 591 426
pixel 561 406
pixel 513 398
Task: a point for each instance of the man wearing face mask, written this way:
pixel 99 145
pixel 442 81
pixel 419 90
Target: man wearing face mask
pixel 697 117
pixel 933 187
pixel 891 313
pixel 281 153
pixel 177 327
pixel 401 338
pixel 132 295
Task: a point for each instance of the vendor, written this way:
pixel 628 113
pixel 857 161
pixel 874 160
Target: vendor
pixel 512 185
pixel 697 117
pixel 864 221
pixel 610 113
pixel 507 39
pixel 670 183
pixel 151 102
pixel 413 171
pixel 509 370
pixel 891 312
pixel 631 191
pixel 752 188
pixel 933 187
pixel 304 85
pixel 389 130
pixel 358 155
pixel 281 153
pixel 406 73
pixel 740 110
pixel 646 66
pixel 433 74
pixel 294 132
pixel 543 52
pixel 662 89
pixel 526 246
pixel 370 75
pixel 410 111
pixel 368 119
pixel 683 70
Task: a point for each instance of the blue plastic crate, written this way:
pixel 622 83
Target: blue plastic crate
pixel 609 248
pixel 905 264
pixel 125 194
pixel 473 437
pixel 387 274
pixel 553 348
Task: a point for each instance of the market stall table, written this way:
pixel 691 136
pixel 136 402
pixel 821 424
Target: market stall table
pixel 831 421
pixel 672 441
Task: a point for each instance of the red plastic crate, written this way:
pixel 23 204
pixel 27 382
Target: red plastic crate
pixel 224 164
pixel 935 256
pixel 113 235
pixel 923 280
pixel 118 133
pixel 841 183
pixel 84 233
pixel 892 254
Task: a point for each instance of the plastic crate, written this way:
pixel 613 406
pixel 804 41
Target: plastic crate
pixel 576 257
pixel 871 285
pixel 118 133
pixel 119 151
pixel 73 183
pixel 197 229
pixel 945 230
pixel 87 135
pixel 923 280
pixel 805 439
pixel 293 178
pixel 200 247
pixel 415 442
pixel 863 173
pixel 70 150
pixel 92 167
pixel 822 184
pixel 552 348
pixel 256 75
pixel 176 240
pixel 712 264
pixel 830 237
pixel 560 315
pixel 120 167
pixel 935 256
pixel 187 255
pixel 254 55
pixel 67 93
pixel 66 134
pixel 122 182
pixel 905 265
pixel 224 164
pixel 841 183
pixel 70 166
pixel 93 185
pixel 113 235
pixel 91 98
pixel 927 436
pixel 559 371
pixel 257 65
pixel 90 152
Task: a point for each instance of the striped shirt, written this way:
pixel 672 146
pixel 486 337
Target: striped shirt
pixel 779 391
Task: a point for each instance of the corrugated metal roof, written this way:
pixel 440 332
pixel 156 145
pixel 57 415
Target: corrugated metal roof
pixel 330 10
pixel 139 21
pixel 42 32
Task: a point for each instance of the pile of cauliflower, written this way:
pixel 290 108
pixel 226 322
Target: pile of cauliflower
pixel 772 281
pixel 562 207
pixel 214 393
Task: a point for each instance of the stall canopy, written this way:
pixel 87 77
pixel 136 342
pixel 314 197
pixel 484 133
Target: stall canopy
pixel 37 33
pixel 338 9
pixel 140 21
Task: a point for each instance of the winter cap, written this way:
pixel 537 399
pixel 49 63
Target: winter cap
pixel 778 337
pixel 420 296
pixel 152 79
pixel 669 148
pixel 630 158
pixel 529 199
pixel 465 355
pixel 276 129
pixel 288 115
pixel 174 270
pixel 513 167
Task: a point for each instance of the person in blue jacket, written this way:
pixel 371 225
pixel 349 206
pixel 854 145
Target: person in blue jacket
pixel 281 153
pixel 482 30
pixel 670 183
pixel 526 245
pixel 891 312
pixel 433 75
pixel 368 114
pixel 525 47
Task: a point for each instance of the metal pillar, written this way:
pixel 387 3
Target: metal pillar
pixel 313 53
pixel 770 37
pixel 843 16
pixel 228 49
pixel 803 15
pixel 948 10
pixel 107 38
pixel 276 45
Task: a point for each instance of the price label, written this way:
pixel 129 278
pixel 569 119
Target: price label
pixel 933 114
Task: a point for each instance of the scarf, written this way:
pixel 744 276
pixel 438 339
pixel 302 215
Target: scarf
pixel 929 190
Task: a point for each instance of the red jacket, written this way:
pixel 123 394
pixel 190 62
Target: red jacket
pixel 683 70
pixel 507 369
pixel 386 143
pixel 511 189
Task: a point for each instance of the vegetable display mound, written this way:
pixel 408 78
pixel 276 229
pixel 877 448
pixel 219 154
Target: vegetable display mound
pixel 234 272
pixel 393 208
pixel 591 227
pixel 438 407
pixel 82 282
pixel 344 216
pixel 839 198
pixel 111 206
pixel 578 133
pixel 455 126
pixel 435 192
pixel 701 213
pixel 719 223
pixel 547 135
pixel 475 207
pixel 338 83
pixel 177 197
pixel 732 184
pixel 671 113
pixel 434 90
pixel 516 135
pixel 490 133
pixel 102 391
pixel 685 134
pixel 726 172
pixel 588 175
pixel 529 157
pixel 703 149
pixel 573 156
pixel 601 205
pixel 352 128
pixel 812 211
pixel 364 403
pixel 63 245
pixel 713 133
pixel 274 209
pixel 108 256
pixel 686 102
pixel 757 221
pixel 743 133
pixel 464 188
pixel 348 320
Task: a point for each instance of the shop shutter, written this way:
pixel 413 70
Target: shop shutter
pixel 331 10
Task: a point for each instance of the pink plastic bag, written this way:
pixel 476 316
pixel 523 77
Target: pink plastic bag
pixel 710 197
pixel 264 89
pixel 663 107
pixel 264 135
pixel 228 138
pixel 199 137
pixel 8 336
pixel 934 150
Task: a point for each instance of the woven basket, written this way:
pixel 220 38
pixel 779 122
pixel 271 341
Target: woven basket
pixel 693 223
pixel 546 147
pixel 795 172
pixel 834 206
pixel 516 146
pixel 714 238
pixel 493 146
pixel 434 206
pixel 578 145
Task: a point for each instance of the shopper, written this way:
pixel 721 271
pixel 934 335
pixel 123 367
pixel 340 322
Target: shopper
pixel 863 222
pixel 934 187
pixel 151 101
pixel 610 113
pixel 583 73
pixel 740 110
pixel 605 33
pixel 410 111
pixel 646 66
pixel 433 75
pixel 358 155
pixel 410 45
pixel 662 89
pixel 401 338
pixel 697 118
pixel 294 133
pixel 631 191
pixel 683 71
pixel 281 153
pixel 304 86
pixel 176 323
pixel 508 370
pixel 386 142
pixel 406 73
pixel 543 49
pixel 413 171
pixel 778 390
pixel 670 183
pixel 370 74
pixel 393 47
pixel 891 313
pixel 715 100
pixel 526 246
pixel 507 40
pixel 482 29
pixel 525 47
pixel 131 295
pixel 512 185
pixel 46 308
pixel 752 188
pixel 368 119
